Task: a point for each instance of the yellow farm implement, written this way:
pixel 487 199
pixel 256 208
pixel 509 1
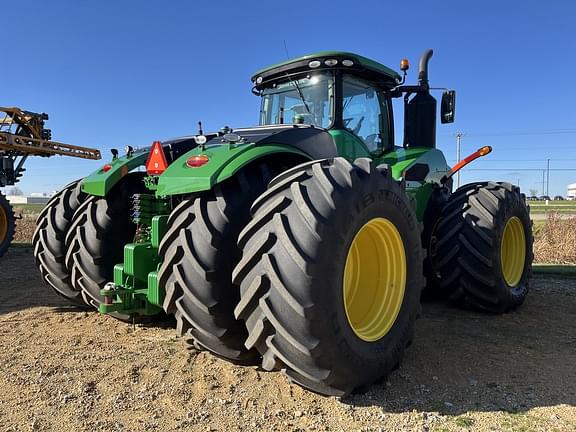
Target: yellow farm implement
pixel 22 134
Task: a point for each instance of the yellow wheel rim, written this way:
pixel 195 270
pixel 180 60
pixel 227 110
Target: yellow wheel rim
pixel 3 225
pixel 374 279
pixel 513 251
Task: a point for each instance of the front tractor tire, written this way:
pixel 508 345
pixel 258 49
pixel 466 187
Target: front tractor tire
pixel 331 275
pixel 484 247
pixel 100 229
pixel 199 252
pixel 7 224
pixel 49 241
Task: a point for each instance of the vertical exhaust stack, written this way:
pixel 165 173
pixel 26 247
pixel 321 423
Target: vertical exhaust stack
pixel 420 111
pixel 423 68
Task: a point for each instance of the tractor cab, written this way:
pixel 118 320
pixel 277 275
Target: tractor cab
pixel 351 97
pixel 344 93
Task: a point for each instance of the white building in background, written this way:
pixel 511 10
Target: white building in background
pixel 571 194
pixel 17 199
pixel 34 198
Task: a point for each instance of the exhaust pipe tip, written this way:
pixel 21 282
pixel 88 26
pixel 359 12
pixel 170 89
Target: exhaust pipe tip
pixel 423 67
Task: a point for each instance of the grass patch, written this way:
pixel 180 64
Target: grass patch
pixel 564 207
pixel 568 270
pixel 21 245
pixel 565 203
pixel 546 210
pixel 464 421
pixel 28 209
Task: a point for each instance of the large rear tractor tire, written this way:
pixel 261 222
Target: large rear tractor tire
pixel 49 241
pixel 484 247
pixel 7 224
pixel 199 252
pixel 100 229
pixel 331 275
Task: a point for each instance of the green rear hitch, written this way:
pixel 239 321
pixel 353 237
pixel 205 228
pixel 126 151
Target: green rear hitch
pixel 135 289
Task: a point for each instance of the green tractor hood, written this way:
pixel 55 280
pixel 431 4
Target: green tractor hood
pixel 227 153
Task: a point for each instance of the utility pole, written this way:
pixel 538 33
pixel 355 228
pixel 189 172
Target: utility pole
pixel 458 138
pixel 543 181
pixel 548 177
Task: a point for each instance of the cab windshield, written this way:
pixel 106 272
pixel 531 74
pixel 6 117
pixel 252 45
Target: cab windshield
pixel 304 100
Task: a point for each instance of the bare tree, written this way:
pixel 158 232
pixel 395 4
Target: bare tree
pixel 15 191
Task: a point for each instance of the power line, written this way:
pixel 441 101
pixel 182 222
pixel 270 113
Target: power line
pixel 517 169
pixel 517 160
pixel 519 133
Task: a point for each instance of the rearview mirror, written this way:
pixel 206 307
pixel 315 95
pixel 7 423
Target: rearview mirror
pixel 448 106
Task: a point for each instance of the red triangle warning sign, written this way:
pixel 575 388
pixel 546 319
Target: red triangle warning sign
pixel 156 163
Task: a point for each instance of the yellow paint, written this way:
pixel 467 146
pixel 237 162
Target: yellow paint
pixel 374 279
pixel 3 225
pixel 513 251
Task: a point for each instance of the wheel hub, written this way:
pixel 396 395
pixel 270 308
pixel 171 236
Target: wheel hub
pixel 3 225
pixel 374 279
pixel 513 251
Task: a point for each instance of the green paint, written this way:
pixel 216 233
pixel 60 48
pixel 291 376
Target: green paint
pixel 349 145
pixel 159 227
pixel 422 195
pixel 100 182
pixel 136 287
pixel 155 293
pixel 224 161
pixel 119 274
pixel 402 159
pixel 139 260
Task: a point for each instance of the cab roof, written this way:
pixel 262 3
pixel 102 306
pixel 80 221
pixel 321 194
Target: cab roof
pixel 354 63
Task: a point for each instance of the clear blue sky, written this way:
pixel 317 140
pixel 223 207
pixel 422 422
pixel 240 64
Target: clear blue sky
pixel 130 72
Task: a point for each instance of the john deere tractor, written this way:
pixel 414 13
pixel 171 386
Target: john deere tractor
pixel 302 244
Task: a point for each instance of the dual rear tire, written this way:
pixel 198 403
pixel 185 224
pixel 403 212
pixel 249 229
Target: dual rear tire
pixel 95 241
pixel 49 241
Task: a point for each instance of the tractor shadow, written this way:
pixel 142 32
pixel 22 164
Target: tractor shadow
pixel 464 361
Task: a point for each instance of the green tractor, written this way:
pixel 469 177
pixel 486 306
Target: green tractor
pixel 303 244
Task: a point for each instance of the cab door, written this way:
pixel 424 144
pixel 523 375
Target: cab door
pixel 366 121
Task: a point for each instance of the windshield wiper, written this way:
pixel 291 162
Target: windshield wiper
pixel 300 94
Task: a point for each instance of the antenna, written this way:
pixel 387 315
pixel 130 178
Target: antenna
pixel 286 49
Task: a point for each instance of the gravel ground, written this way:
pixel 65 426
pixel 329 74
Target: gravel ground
pixel 66 369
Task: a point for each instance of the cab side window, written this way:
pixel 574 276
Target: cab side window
pixel 364 114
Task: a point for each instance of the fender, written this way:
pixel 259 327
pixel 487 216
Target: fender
pixel 223 162
pixel 422 168
pixel 102 180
